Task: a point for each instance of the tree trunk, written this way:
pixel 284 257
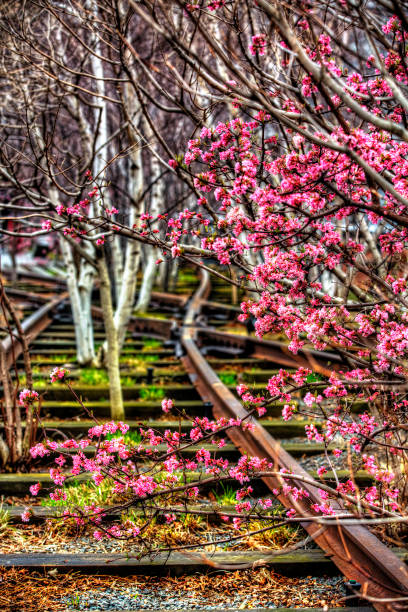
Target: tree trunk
pixel 174 269
pixel 127 292
pixel 23 443
pixel 156 204
pixel 117 267
pixel 8 407
pixel 149 274
pixel 128 289
pixel 80 294
pixel 112 353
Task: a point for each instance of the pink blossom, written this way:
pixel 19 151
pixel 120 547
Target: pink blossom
pixel 258 45
pixel 34 489
pixel 59 374
pixel 167 405
pixel 25 516
pixel 27 397
pixel 287 412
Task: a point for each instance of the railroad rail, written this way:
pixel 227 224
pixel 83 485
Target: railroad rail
pixel 353 549
pixel 357 553
pixel 32 326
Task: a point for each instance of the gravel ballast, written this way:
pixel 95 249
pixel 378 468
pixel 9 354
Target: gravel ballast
pixel 322 590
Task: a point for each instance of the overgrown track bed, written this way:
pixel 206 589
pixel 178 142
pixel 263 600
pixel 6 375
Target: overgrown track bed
pixel 355 551
pixel 262 590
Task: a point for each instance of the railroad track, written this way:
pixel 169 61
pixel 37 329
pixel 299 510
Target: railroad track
pixel 352 550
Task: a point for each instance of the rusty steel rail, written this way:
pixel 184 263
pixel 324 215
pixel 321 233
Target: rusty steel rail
pixel 268 350
pixel 37 322
pixel 32 326
pixel 37 279
pixel 357 552
pixel 49 282
pixel 272 350
pixel 29 295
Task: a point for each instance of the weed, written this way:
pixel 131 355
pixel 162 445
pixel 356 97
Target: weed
pixel 57 359
pixel 228 378
pixel 276 537
pixel 151 393
pixel 4 520
pixel 227 497
pixel 138 361
pixel 37 371
pixel 74 601
pixel 80 493
pixel 151 343
pixel 185 530
pixel 93 377
pixel 132 438
pixel 150 357
pixel 127 381
pixel 313 377
pixel 151 315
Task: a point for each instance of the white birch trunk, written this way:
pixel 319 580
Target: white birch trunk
pixel 117 266
pixel 173 274
pixel 80 292
pixel 156 201
pixel 133 249
pixel 112 353
pixel 149 274
pixel 126 290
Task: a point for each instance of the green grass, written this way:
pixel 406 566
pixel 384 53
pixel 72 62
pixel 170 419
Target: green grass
pixel 151 393
pixel 4 520
pixel 151 315
pixel 313 377
pixel 151 343
pixel 133 438
pixel 96 377
pixel 139 360
pixel 58 358
pixel 84 493
pixel 228 378
pixel 227 497
pixel 93 377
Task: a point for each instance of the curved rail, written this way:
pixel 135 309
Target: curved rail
pixel 32 326
pixel 357 553
pixel 48 282
pixel 275 351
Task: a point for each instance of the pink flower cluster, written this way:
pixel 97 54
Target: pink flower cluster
pixel 167 405
pixel 59 374
pixel 258 45
pixel 28 397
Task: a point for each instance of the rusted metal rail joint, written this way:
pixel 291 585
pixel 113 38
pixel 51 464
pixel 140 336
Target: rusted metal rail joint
pixel 357 553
